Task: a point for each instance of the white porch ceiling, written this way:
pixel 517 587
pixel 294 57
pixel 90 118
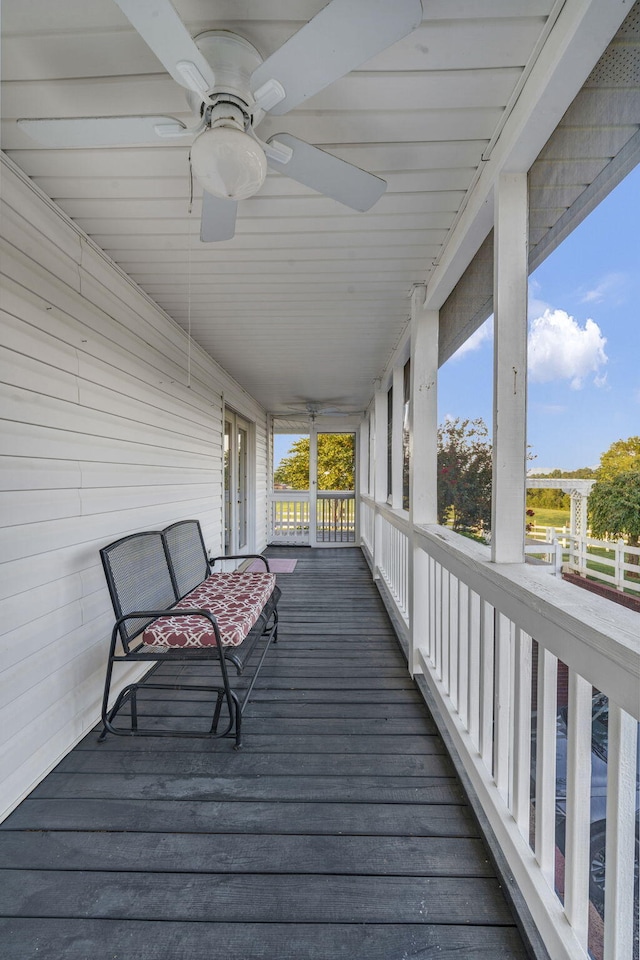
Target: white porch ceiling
pixel 309 300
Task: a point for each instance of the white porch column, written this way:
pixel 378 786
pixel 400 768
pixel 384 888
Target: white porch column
pixel 423 473
pixel 380 446
pixel 363 456
pixel 396 437
pixel 379 469
pixel 509 368
pixel 423 417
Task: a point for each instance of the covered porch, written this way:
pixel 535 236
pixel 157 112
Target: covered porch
pixel 147 373
pixel 340 829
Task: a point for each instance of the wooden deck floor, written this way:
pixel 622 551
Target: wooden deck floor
pixel 339 831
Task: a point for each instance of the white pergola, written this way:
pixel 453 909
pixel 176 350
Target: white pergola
pixel 578 491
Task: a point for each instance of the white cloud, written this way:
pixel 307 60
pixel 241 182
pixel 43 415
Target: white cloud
pixel 476 340
pixel 536 307
pixel 611 284
pixel 560 349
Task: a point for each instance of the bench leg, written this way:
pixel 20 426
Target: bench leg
pixel 105 699
pixel 216 712
pixel 238 744
pixel 134 708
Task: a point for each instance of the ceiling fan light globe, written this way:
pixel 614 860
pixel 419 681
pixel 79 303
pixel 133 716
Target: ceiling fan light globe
pixel 228 163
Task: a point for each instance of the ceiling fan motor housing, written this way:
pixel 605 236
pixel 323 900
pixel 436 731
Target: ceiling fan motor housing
pixel 233 60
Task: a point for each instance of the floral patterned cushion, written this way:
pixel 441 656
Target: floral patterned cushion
pixel 235 599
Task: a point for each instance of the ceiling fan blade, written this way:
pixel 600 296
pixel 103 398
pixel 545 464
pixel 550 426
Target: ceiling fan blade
pixel 343 35
pixel 218 218
pixel 327 174
pixel 164 32
pixel 102 131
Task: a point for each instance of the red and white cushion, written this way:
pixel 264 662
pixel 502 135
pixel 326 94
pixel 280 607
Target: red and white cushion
pixel 236 601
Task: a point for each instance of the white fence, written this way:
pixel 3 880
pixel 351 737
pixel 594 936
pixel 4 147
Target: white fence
pixel 584 555
pixel 500 647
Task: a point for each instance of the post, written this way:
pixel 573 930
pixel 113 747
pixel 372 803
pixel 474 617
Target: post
pixel 423 469
pixel 423 418
pixel 510 369
pixel 363 457
pixel 396 437
pixel 379 471
pixel 313 481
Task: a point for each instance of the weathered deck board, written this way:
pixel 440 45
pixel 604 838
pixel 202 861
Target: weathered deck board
pixel 339 832
pixel 106 939
pixel 301 898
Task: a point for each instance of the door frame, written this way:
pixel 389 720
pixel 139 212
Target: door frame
pixel 309 496
pixel 238 421
pixel 313 484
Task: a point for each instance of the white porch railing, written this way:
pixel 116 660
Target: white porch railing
pixel 289 518
pixel 335 516
pixel 492 642
pixel 367 525
pixel 393 560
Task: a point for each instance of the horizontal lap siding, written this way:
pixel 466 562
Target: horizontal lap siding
pixel 103 433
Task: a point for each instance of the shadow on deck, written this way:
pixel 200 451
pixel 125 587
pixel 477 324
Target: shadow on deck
pixel 339 831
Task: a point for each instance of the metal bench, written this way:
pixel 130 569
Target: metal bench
pixel 171 607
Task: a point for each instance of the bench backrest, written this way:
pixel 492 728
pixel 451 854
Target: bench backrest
pixel 139 578
pixel 187 555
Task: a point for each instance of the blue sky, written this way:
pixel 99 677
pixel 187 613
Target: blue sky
pixel 584 342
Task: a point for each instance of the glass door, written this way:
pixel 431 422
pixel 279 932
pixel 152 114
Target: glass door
pixel 289 498
pixel 236 466
pixel 242 438
pixel 335 496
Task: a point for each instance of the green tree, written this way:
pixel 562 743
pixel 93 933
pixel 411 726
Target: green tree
pixel 336 463
pixel 623 456
pixel 464 474
pixel 614 508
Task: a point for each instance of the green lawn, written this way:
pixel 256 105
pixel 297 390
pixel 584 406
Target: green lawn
pixel 549 517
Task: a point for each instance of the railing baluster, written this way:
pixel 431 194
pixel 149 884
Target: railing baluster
pixel 437 638
pixel 520 806
pixel 487 630
pixel 473 723
pixel 444 636
pixel 546 763
pixel 463 653
pixel 454 638
pixel 621 847
pixel 431 643
pixel 502 705
pixel 576 896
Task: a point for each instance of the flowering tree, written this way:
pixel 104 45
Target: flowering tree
pixel 464 474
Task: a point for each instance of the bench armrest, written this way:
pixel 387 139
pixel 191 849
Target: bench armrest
pixel 242 556
pixel 151 615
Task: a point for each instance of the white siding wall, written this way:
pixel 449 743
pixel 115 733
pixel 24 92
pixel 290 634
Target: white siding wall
pixel 101 436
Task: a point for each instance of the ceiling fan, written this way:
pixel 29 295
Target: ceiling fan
pixel 230 89
pixel 328 408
